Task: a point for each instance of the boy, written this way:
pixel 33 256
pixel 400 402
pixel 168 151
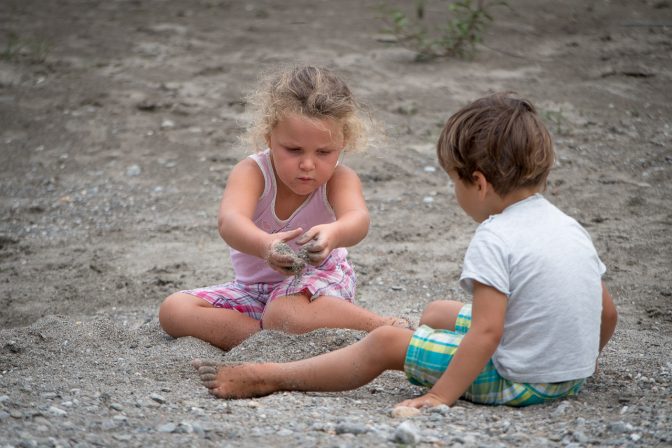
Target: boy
pixel 540 313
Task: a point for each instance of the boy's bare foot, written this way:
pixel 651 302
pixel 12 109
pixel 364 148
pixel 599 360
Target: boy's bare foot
pixel 233 381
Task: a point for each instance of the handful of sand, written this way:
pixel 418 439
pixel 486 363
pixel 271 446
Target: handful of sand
pixel 300 258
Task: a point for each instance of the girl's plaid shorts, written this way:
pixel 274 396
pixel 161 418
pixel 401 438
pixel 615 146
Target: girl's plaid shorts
pixel 430 351
pixel 335 277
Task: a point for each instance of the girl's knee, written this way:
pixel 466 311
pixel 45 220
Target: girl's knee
pixel 288 314
pixel 278 317
pixel 172 310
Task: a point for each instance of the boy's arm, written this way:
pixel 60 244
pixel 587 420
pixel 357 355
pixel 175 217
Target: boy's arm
pixel 243 189
pixel 474 352
pixel 609 317
pixel 344 192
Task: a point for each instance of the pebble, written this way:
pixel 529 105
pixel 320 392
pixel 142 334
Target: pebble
pixel 350 428
pixel 158 398
pixel 407 433
pixel 561 409
pixel 58 412
pixel 167 124
pixel 619 427
pixel 133 171
pixel 442 409
pixel 404 412
pixel 167 427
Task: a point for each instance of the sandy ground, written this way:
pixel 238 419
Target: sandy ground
pixel 118 127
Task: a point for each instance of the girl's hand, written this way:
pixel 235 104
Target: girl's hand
pixel 429 400
pixel 318 242
pixel 280 257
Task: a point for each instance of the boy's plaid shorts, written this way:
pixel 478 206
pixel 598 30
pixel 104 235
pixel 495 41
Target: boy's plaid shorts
pixel 430 351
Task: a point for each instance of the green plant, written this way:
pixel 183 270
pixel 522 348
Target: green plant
pixel 35 50
pixel 556 118
pixel 12 47
pixel 456 36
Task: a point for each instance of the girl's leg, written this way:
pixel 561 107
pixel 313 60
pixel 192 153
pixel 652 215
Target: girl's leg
pixel 298 314
pixel 186 315
pixel 441 314
pixel 344 369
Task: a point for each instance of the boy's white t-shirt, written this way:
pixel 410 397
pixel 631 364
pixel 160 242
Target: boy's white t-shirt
pixel 547 266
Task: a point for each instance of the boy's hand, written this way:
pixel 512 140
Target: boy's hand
pixel 280 257
pixel 318 242
pixel 429 400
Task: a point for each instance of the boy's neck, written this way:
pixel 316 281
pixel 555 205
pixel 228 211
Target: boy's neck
pixel 500 203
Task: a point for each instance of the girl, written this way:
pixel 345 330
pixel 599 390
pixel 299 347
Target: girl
pixel 296 195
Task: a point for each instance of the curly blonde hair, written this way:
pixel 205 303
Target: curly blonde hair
pixel 313 92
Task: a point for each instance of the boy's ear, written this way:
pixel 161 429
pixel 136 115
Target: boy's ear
pixel 481 182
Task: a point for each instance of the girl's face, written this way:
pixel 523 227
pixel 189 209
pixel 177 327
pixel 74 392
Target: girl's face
pixel 305 152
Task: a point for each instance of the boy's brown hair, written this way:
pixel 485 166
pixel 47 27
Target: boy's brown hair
pixel 502 137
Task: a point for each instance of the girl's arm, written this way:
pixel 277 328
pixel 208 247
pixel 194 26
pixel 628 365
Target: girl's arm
pixel 243 189
pixel 474 352
pixel 344 192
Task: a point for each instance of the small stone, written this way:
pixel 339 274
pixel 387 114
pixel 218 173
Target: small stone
pixel 442 409
pixel 133 171
pixel 407 433
pixel 350 428
pixel 167 427
pixel 167 124
pixel 618 427
pixel 284 432
pixel 185 428
pixel 108 424
pixel 580 437
pixel 560 409
pixel 116 407
pixel 158 398
pixel 53 410
pixel 404 412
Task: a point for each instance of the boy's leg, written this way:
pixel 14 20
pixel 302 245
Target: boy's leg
pixel 441 314
pixel 343 369
pixel 298 314
pixel 186 315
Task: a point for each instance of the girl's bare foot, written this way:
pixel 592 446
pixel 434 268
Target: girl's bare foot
pixel 400 322
pixel 233 381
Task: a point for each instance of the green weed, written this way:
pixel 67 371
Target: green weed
pixel 556 118
pixel 455 35
pixel 32 50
